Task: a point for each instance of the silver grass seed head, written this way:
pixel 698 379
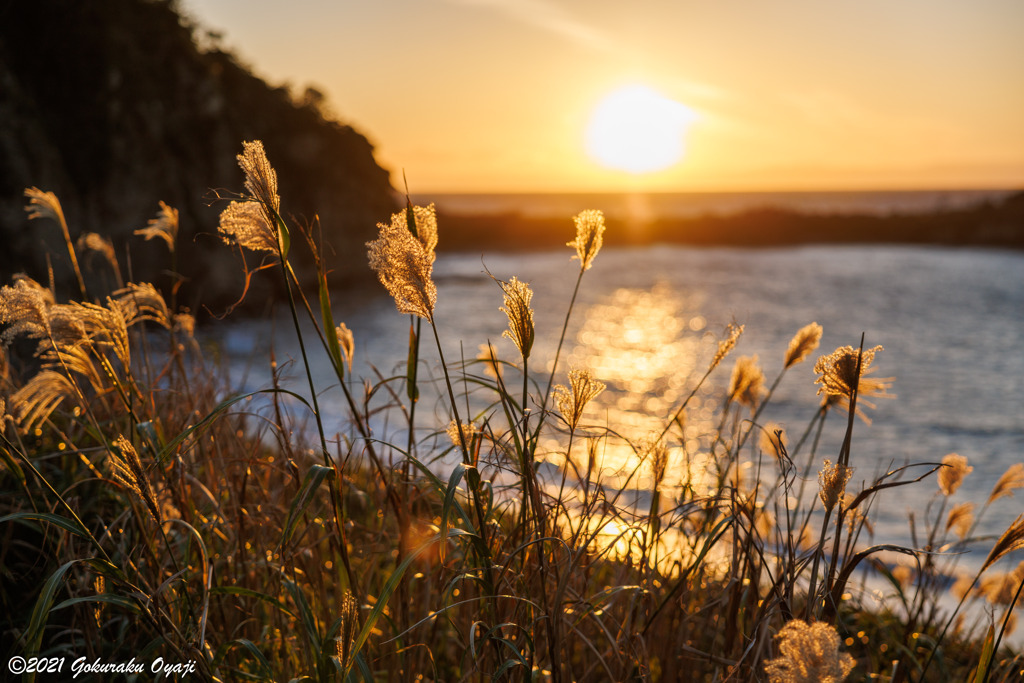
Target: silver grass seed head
pixel 347 342
pixel 129 471
pixel 589 236
pixel 1013 478
pixel 573 400
pixel 43 205
pixel 746 386
pixel 39 397
pixel 348 630
pixel 518 296
pixel 164 226
pixel 953 472
pixel 727 343
pixel 809 653
pixel 832 483
pixel 24 309
pixel 803 343
pixel 404 265
pixel 142 301
pixel 1011 540
pixel 246 224
pixel 260 177
pixel 92 241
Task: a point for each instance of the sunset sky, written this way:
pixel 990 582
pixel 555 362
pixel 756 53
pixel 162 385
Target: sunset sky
pixel 500 95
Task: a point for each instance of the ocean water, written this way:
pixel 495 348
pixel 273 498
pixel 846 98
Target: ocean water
pixel 951 323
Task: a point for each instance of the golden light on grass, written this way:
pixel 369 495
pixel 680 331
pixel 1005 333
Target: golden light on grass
pixel 672 538
pixel 845 370
pixel 405 262
pixel 520 316
pixel 250 224
pixel 589 236
pixel 638 130
pixel 809 652
pixel 128 470
pixel 571 401
pixel 468 431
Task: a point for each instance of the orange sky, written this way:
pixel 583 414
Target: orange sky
pixel 496 95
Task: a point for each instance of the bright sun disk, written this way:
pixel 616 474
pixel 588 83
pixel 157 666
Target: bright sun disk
pixel 638 130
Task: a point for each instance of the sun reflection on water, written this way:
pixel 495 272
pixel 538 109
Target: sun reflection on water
pixel 649 347
pixel 646 346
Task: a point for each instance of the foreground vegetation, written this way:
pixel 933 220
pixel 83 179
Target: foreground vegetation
pixel 149 513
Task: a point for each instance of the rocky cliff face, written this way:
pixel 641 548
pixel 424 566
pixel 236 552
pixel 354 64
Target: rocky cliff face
pixel 111 105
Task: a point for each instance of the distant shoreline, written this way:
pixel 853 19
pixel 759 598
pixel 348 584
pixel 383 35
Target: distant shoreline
pixel 625 204
pixel 988 223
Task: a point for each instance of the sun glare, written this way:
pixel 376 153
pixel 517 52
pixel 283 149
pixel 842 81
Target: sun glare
pixel 638 130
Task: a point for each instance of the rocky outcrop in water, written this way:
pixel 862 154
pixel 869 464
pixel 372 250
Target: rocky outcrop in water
pixel 113 106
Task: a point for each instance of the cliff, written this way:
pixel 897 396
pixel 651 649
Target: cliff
pixel 112 105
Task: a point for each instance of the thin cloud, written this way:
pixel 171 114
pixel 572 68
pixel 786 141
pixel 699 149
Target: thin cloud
pixel 548 17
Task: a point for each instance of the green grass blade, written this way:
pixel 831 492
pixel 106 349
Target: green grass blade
pixel 364 669
pixel 385 594
pixel 314 478
pixel 11 465
pixel 987 653
pixel 449 498
pixel 266 671
pixel 330 329
pixel 34 632
pixel 63 522
pixel 285 239
pixel 106 598
pixel 247 593
pixel 412 364
pixel 313 640
pixel 216 412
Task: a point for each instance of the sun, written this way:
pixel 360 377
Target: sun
pixel 639 130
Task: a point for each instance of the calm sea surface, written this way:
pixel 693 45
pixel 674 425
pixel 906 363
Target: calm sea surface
pixel 951 322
